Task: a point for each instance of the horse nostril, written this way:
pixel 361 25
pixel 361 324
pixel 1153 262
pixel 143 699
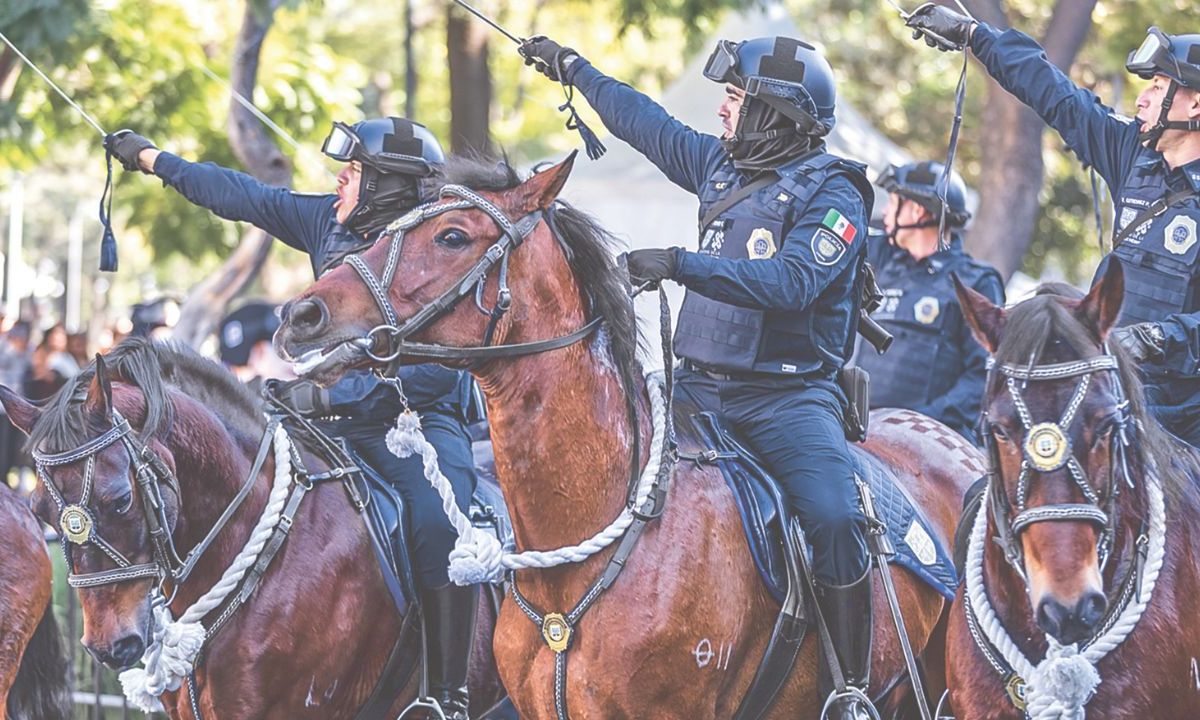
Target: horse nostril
pixel 1090 610
pixel 1051 616
pixel 127 651
pixel 307 317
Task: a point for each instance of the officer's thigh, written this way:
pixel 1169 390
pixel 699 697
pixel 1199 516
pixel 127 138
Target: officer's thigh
pixel 799 437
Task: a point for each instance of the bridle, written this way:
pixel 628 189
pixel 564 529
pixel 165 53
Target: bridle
pixel 389 341
pixel 1046 448
pixel 78 525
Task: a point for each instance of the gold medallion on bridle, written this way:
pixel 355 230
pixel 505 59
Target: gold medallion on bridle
pixel 1015 687
pixel 76 524
pixel 1046 446
pixel 556 631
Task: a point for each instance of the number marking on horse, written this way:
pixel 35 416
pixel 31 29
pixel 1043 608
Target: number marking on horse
pixel 705 655
pixel 1195 674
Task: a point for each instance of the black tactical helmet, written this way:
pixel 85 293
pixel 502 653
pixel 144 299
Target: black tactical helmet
pixel 1178 58
pixel 390 144
pixel 788 74
pixel 395 153
pixel 919 182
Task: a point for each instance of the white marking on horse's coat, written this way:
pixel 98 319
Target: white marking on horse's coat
pixel 1195 674
pixel 703 653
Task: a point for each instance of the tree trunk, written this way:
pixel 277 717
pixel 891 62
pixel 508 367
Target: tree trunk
pixel 256 149
pixel 10 71
pixel 470 83
pixel 1012 157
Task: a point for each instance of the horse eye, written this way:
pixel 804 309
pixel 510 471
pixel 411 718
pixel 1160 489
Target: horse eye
pixel 123 503
pixel 453 239
pixel 1001 433
pixel 1104 432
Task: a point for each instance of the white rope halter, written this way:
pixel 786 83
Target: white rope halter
pixel 477 556
pixel 1059 686
pixel 175 645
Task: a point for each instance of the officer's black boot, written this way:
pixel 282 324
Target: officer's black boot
pixel 847 613
pixel 449 613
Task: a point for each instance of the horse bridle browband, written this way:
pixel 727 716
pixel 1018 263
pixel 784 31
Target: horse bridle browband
pixel 393 335
pixel 1046 447
pixel 78 526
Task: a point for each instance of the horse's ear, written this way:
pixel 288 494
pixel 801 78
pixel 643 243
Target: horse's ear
pixel 99 402
pixel 1102 305
pixel 540 191
pixel 985 318
pixel 21 412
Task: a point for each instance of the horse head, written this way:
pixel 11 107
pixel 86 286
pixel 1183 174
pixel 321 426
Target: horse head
pixel 439 278
pixel 89 461
pixel 1056 417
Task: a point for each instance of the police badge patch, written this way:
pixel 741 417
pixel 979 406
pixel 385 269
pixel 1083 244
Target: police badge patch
pixel 826 247
pixel 1180 235
pixel 761 244
pixel 927 310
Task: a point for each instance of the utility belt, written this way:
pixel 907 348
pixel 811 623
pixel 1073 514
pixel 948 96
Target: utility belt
pixel 715 374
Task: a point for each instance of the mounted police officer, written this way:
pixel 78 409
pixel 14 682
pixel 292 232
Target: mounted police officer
pixel 1152 166
pixel 934 366
pixel 386 162
pixel 772 298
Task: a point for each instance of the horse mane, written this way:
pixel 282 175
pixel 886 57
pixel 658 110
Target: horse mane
pixel 154 368
pixel 588 247
pixel 1046 318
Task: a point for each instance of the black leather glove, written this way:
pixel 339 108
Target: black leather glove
pixel 941 27
pixel 546 56
pixel 652 265
pixel 305 397
pixel 125 146
pixel 1143 341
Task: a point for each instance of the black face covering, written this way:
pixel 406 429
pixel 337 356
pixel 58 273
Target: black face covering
pixel 765 138
pixel 382 197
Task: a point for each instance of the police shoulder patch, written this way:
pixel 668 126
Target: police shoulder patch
pixel 827 248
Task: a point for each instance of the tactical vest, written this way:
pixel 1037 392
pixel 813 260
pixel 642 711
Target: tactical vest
pixel 921 311
pixel 735 339
pixel 1159 258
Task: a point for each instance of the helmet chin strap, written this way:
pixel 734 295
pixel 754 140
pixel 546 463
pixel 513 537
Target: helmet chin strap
pixel 897 227
pixel 1151 137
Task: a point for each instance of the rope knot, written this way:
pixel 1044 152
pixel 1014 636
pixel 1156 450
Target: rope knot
pixel 406 438
pixel 1065 680
pixel 477 558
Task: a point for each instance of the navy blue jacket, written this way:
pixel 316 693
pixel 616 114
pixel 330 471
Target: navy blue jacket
pixel 935 366
pixel 806 274
pixel 308 223
pixel 1135 175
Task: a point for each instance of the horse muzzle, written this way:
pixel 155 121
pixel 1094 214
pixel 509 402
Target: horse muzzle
pixel 1070 623
pixel 125 652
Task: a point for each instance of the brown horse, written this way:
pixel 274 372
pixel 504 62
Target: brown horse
pixel 1079 470
pixel 562 436
pixel 313 639
pixel 33 666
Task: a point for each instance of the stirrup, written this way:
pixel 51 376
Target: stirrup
pixel 434 708
pixel 850 693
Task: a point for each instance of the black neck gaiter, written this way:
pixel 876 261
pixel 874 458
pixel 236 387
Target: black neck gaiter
pixel 765 138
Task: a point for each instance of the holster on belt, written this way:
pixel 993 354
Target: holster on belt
pixel 856 384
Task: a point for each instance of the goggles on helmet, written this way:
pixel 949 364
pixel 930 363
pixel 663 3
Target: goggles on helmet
pixel 341 144
pixel 1153 57
pixel 722 64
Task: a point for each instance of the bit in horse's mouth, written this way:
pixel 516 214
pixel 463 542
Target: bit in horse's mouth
pixel 328 357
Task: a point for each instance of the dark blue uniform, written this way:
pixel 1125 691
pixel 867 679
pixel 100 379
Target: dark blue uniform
pixel 1162 277
pixel 308 223
pixel 770 310
pixel 935 366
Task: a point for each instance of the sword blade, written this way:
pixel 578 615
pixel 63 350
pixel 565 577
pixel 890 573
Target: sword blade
pixel 496 26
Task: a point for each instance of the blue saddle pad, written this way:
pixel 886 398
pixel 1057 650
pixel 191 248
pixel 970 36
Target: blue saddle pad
pixel 763 510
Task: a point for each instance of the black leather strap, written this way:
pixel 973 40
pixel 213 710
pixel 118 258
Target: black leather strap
pixel 736 197
pixel 1156 208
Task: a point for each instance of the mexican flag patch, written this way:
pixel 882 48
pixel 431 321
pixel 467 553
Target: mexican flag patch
pixel 840 226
